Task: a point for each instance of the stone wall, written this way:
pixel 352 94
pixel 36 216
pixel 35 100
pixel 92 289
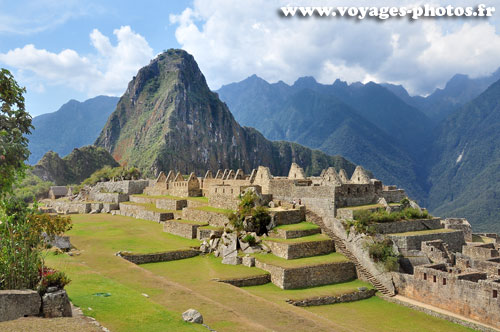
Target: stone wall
pixel 461 224
pixel 475 300
pixel 69 207
pixel 248 281
pixel 286 217
pixel 203 233
pixel 183 229
pixel 19 303
pixel 212 218
pixel 300 249
pixel 490 266
pixel 142 199
pixel 408 226
pixel 129 187
pixel 139 212
pixel 356 194
pixel 454 240
pixel 108 197
pixel 481 251
pixel 317 275
pixel 393 195
pixel 293 234
pixel 171 204
pixel 160 256
pixel 325 300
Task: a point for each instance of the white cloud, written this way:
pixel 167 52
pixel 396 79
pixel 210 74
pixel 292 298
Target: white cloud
pixel 106 72
pixel 231 42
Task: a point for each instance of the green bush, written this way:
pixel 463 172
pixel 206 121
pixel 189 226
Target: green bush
pixel 383 252
pixel 22 243
pixel 250 239
pixel 108 173
pixel 381 215
pixel 32 187
pixel 51 278
pixel 248 207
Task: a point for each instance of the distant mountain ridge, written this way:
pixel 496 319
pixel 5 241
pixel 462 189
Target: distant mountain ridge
pixel 365 123
pixel 169 119
pixel 74 125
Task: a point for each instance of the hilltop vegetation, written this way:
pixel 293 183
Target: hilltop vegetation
pixel 73 168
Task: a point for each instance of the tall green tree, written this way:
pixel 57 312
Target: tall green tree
pixel 15 123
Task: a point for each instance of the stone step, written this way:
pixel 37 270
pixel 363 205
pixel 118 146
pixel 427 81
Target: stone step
pixel 308 246
pixel 307 272
pixel 408 241
pixel 295 230
pixel 184 228
pixel 341 247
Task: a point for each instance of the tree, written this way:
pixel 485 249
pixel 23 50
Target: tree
pixel 15 123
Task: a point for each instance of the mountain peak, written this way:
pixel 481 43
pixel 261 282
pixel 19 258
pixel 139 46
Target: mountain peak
pixel 305 82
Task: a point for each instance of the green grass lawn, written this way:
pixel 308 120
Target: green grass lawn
pixel 126 234
pixel 176 286
pixel 276 293
pixel 125 310
pixel 482 239
pixel 303 226
pixel 214 209
pixel 310 238
pixel 333 257
pixel 368 206
pixel 429 231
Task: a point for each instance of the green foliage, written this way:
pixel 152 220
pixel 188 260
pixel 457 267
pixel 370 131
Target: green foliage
pixel 108 173
pixel 248 208
pixel 22 242
pixel 32 187
pixel 383 252
pixel 15 123
pixel 250 239
pixel 381 215
pixel 51 278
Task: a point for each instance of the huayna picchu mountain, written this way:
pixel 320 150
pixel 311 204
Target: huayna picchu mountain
pixel 169 119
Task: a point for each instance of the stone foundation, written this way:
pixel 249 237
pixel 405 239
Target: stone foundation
pixel 309 276
pixel 171 204
pixel 293 234
pixel 287 217
pixel 160 256
pixel 183 229
pixel 408 226
pixel 204 234
pixel 19 303
pixel 249 281
pixel 212 218
pixel 325 300
pixel 454 240
pixel 301 249
pixel 140 212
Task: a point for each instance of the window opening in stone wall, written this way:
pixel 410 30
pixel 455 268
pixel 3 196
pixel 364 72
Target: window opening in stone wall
pixel 434 278
pixel 425 276
pixel 495 293
pixel 444 281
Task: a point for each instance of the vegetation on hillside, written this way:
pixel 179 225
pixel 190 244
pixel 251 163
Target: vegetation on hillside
pixel 32 187
pixel 382 251
pixel 75 167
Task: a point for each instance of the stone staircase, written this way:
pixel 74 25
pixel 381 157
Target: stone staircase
pixel 341 247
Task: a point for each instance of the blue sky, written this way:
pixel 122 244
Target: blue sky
pixel 72 49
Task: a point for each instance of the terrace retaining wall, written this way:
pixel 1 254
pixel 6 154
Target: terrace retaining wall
pixel 160 256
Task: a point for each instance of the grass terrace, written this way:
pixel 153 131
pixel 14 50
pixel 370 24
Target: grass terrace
pixel 189 222
pixel 310 238
pixel 214 209
pixel 150 207
pixel 333 257
pixel 368 206
pixel 201 199
pixel 303 226
pixel 212 228
pixel 429 231
pixel 173 287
